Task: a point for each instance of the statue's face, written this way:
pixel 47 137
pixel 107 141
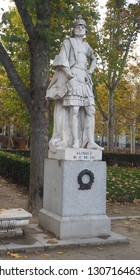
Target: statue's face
pixel 79 30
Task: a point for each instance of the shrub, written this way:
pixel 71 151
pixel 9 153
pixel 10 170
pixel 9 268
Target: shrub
pixel 123 182
pixel 130 160
pixel 23 153
pixel 15 167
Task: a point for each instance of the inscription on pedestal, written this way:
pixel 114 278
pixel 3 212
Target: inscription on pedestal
pixel 84 155
pixel 76 154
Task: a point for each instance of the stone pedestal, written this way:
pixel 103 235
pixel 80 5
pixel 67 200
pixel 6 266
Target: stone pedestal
pixel 75 199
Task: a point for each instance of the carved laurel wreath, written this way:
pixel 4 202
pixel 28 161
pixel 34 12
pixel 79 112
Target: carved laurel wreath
pixel 85 186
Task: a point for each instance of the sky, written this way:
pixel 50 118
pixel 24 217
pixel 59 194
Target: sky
pixel 4 6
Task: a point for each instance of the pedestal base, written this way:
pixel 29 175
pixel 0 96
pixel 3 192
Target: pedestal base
pixel 75 199
pixel 75 227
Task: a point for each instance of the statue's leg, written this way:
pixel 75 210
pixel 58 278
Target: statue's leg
pixel 74 125
pixel 90 125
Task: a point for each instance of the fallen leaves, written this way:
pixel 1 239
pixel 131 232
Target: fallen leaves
pixel 2 210
pixel 123 184
pixel 14 255
pixel 100 248
pixel 136 201
pixel 127 222
pixel 116 211
pixel 46 256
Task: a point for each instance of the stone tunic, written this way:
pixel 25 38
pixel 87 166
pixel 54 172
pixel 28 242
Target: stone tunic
pixel 78 91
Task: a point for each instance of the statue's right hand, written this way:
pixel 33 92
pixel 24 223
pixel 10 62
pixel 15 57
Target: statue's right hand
pixel 70 75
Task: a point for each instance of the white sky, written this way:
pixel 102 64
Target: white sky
pixel 4 4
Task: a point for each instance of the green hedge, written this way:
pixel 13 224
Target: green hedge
pixel 15 167
pixel 128 160
pixel 123 182
pixel 23 153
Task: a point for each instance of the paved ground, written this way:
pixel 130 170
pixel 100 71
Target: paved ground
pixel 12 196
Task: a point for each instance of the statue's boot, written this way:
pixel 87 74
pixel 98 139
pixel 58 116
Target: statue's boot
pixel 94 146
pixel 76 144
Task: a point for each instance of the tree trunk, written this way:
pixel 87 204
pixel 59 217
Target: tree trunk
pixel 110 144
pixel 34 96
pixel 39 121
pixel 39 149
pixel 133 138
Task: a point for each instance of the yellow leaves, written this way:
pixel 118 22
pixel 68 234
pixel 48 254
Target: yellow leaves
pixel 116 211
pixel 113 179
pixel 1 211
pixel 14 255
pixel 136 201
pixel 46 256
pixel 127 222
pixel 100 248
pixel 130 221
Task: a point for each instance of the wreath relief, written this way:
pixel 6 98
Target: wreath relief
pixel 85 186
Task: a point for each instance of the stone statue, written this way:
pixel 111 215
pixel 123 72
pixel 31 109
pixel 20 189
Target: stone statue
pixel 71 88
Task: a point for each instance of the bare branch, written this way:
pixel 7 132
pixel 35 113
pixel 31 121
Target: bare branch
pixel 103 114
pixel 26 18
pixel 14 77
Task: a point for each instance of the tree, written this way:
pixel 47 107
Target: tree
pixel 118 35
pixel 13 113
pixel 133 76
pixel 43 21
pixel 33 96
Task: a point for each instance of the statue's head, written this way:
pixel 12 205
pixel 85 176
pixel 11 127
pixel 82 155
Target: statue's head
pixel 79 24
pixel 79 21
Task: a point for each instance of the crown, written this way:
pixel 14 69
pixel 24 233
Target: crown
pixel 79 21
